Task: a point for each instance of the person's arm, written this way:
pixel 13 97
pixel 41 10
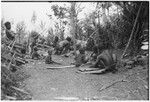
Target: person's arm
pixel 14 34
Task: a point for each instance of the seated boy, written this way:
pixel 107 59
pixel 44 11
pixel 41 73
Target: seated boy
pixel 55 42
pixel 80 58
pixel 10 34
pixel 35 54
pixel 48 59
pixel 32 45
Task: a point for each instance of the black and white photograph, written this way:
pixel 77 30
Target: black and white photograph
pixel 74 50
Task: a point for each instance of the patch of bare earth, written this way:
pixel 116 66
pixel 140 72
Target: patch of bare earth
pixel 57 84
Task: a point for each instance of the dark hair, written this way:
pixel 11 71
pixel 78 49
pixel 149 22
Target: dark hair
pixel 68 39
pixel 82 50
pixel 50 52
pixel 56 38
pixel 35 48
pixel 95 49
pixel 78 46
pixel 6 24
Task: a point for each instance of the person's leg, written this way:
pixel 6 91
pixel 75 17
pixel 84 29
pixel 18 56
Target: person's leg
pixel 96 64
pixel 36 55
pixel 65 49
pixel 32 55
pixel 58 50
pixel 31 50
pixel 47 60
pixel 94 57
pixel 99 63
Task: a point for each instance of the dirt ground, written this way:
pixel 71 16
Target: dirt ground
pixel 67 84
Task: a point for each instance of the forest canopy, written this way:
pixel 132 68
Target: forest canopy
pixel 109 23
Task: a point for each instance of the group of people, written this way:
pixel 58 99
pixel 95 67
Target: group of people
pixel 101 60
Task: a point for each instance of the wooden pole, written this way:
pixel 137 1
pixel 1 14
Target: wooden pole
pixel 132 31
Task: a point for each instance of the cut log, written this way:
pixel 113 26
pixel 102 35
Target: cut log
pixel 61 67
pixel 10 98
pixel 19 46
pixel 20 60
pixel 6 57
pixel 19 55
pixel 16 53
pixel 93 72
pixel 20 90
pixel 13 65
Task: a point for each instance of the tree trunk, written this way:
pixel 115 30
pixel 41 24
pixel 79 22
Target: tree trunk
pixel 135 22
pixel 73 24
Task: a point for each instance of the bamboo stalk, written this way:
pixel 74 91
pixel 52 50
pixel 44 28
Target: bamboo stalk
pixel 132 31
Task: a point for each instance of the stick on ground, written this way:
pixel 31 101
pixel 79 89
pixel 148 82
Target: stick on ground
pixel 93 71
pixel 111 85
pixel 61 67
